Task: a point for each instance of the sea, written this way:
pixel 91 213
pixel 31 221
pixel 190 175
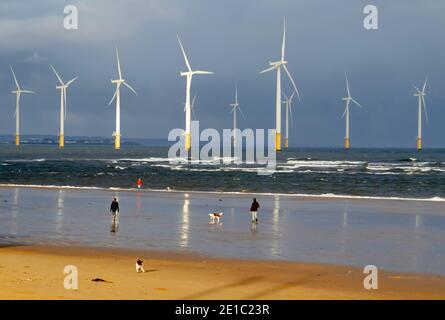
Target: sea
pixel 372 173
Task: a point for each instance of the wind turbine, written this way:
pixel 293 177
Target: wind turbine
pixel 421 96
pixel 188 74
pixel 288 103
pixel 348 100
pixel 17 92
pixel 62 87
pixel 277 66
pixel 234 107
pixel 117 96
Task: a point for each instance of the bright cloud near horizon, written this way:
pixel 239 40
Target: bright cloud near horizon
pixel 236 40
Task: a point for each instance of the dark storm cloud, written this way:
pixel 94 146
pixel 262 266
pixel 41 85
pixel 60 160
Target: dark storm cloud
pixel 235 39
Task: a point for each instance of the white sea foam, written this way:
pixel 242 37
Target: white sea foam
pixel 297 195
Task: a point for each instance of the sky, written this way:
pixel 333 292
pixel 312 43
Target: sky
pixel 236 40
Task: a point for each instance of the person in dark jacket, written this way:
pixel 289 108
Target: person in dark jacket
pixel 253 210
pixel 114 208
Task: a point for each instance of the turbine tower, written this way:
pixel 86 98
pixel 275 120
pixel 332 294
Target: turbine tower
pixel 288 103
pixel 17 92
pixel 348 100
pixel 189 75
pixel 234 107
pixel 62 87
pixel 277 66
pixel 117 96
pixel 421 96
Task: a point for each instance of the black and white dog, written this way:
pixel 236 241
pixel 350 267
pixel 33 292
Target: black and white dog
pixel 140 266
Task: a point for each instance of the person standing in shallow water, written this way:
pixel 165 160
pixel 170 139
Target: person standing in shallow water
pixel 253 210
pixel 114 208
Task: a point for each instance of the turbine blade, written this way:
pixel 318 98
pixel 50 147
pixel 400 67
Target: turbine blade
pixel 118 64
pixel 57 75
pixel 270 69
pixel 347 85
pixel 129 87
pixel 242 114
pixel 356 103
pixel 292 80
pixel 71 81
pixel 193 106
pixel 15 79
pixel 236 94
pixel 424 109
pixel 115 93
pixel 282 92
pixel 424 85
pixel 202 72
pixel 292 96
pixel 283 45
pixel 346 109
pixel 27 91
pixel 417 89
pixel 185 56
pixel 193 101
pixel 291 116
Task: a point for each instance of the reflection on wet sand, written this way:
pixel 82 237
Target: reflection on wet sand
pixel 184 229
pixel 14 211
pixel 276 248
pixel 60 210
pixel 344 228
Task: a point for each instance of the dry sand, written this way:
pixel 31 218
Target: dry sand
pixel 36 272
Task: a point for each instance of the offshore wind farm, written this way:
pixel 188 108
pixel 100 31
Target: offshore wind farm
pixel 358 162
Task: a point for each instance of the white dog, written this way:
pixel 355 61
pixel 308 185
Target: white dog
pixel 215 217
pixel 140 266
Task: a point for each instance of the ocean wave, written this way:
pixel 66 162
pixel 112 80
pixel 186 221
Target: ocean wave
pixel 296 195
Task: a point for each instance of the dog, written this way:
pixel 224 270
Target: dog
pixel 215 217
pixel 140 266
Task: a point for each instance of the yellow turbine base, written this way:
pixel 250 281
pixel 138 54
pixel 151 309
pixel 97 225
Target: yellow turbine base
pixel 419 144
pixel 17 140
pixel 286 143
pixel 188 142
pixel 117 141
pixel 278 142
pixel 61 141
pixel 347 143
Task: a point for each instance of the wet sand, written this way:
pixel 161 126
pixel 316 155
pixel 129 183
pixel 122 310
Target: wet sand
pixel 394 235
pixel 36 272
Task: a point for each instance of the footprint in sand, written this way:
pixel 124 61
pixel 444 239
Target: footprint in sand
pixel 161 289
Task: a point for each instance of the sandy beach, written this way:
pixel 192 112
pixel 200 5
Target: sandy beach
pixel 303 248
pixel 36 272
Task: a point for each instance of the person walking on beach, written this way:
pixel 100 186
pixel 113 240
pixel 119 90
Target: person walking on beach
pixel 253 210
pixel 139 183
pixel 114 208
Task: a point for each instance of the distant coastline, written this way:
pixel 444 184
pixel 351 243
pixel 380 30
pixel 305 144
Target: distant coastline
pixel 80 140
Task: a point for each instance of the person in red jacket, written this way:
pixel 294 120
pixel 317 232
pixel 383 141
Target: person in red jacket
pixel 139 183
